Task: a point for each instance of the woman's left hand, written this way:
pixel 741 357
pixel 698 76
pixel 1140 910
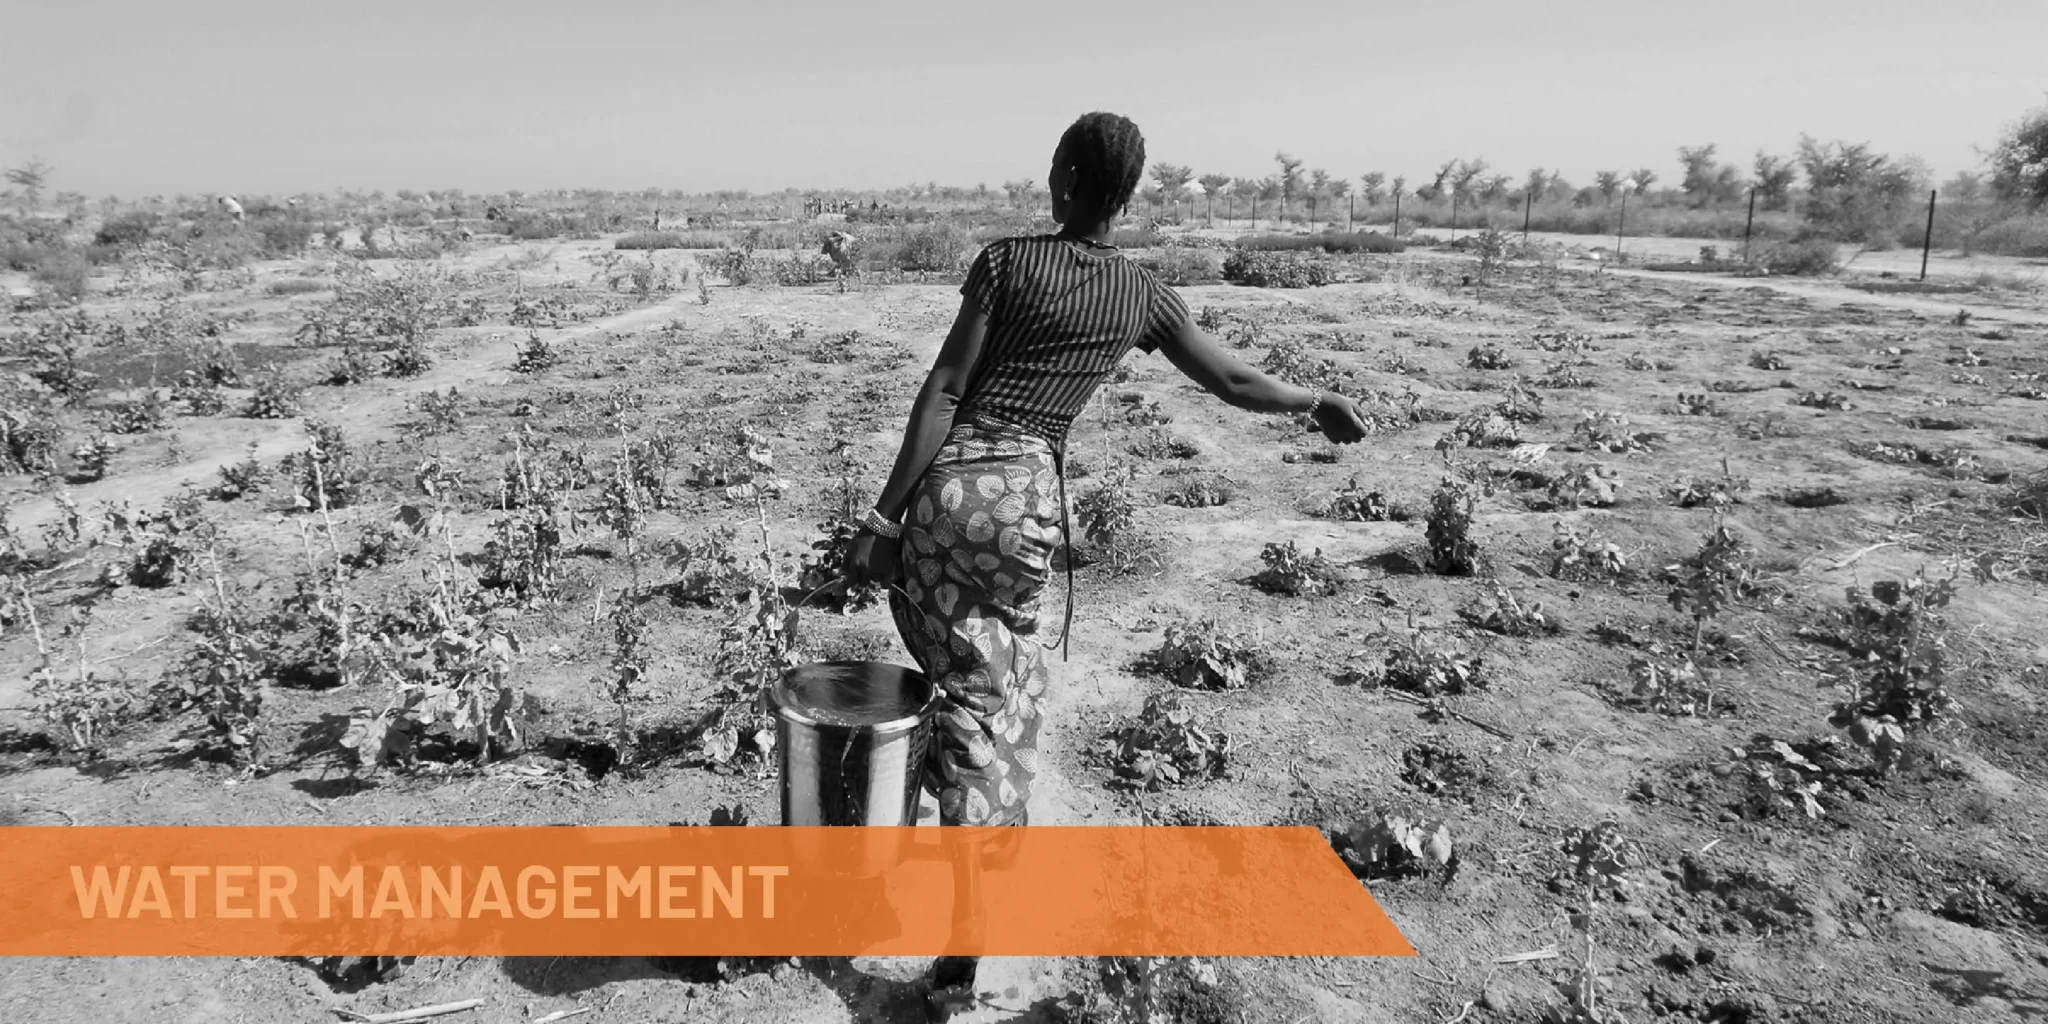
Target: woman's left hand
pixel 874 560
pixel 1340 419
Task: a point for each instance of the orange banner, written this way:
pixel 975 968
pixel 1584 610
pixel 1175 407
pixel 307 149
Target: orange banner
pixel 765 891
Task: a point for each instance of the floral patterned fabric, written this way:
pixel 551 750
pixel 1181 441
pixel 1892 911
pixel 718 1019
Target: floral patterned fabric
pixel 977 545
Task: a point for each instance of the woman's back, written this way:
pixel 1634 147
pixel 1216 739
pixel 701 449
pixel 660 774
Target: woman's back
pixel 1060 318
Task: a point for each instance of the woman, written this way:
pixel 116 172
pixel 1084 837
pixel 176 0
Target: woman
pixel 975 505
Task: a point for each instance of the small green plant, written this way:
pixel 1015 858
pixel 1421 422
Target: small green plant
pixel 1670 683
pixel 709 570
pixel 535 355
pixel 199 395
pixel 28 441
pixel 1448 529
pixel 1288 571
pixel 89 460
pixel 228 676
pixel 1203 655
pixel 145 414
pixel 1422 668
pixel 1713 579
pixel 1778 777
pixel 276 397
pixel 1388 843
pixel 1488 356
pixel 1899 638
pixel 1712 492
pixel 239 479
pixel 1576 551
pixel 1609 432
pixel 1202 490
pixel 326 474
pixel 86 706
pixel 1522 404
pixel 1166 744
pixel 1485 428
pixel 1827 400
pixel 1107 516
pixel 1354 504
pixel 1697 405
pixel 1768 361
pixel 161 548
pixel 1503 613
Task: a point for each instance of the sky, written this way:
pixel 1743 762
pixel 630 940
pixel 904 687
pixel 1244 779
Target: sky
pixel 234 96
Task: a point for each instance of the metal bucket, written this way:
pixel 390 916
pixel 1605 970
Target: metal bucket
pixel 851 738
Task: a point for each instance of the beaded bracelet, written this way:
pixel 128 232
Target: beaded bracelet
pixel 1313 406
pixel 879 525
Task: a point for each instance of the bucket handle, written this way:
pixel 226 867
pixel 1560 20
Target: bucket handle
pixel 839 584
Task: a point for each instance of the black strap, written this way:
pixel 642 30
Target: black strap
pixel 1059 462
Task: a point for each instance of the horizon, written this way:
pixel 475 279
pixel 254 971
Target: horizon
pixel 229 97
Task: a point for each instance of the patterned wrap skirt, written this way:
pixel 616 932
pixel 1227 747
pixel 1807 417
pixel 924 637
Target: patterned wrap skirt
pixel 977 548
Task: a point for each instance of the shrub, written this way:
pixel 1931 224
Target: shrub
pixel 1810 258
pixel 61 275
pixel 1349 242
pixel 1277 270
pixel 645 240
pixel 1180 267
pixel 283 237
pixel 933 248
pixel 1203 655
pixel 125 229
pixel 1452 551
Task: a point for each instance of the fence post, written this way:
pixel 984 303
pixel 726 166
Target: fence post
pixel 1255 213
pixel 1927 243
pixel 1454 215
pixel 1528 204
pixel 1621 228
pixel 1748 224
pixel 1397 213
pixel 1311 213
pixel 1350 213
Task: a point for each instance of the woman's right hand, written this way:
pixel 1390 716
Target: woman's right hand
pixel 874 560
pixel 1340 419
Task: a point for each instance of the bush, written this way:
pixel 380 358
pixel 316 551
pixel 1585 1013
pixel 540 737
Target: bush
pixel 281 237
pixel 1277 270
pixel 1812 257
pixel 939 248
pixel 1327 241
pixel 1178 266
pixel 672 240
pixel 61 275
pixel 127 229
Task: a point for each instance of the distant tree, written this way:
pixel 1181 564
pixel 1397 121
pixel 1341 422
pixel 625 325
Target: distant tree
pixel 30 178
pixel 1469 177
pixel 1398 186
pixel 1773 177
pixel 1339 187
pixel 1290 176
pixel 1609 184
pixel 1537 183
pixel 1172 179
pixel 1644 178
pixel 1854 192
pixel 1372 187
pixel 1494 188
pixel 1318 182
pixel 1965 187
pixel 1214 184
pixel 1018 191
pixel 2019 163
pixel 1700 167
pixel 1435 188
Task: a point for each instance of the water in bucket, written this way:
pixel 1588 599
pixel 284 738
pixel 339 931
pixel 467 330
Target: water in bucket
pixel 851 738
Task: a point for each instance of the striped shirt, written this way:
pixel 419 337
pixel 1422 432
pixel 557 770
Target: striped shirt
pixel 1060 319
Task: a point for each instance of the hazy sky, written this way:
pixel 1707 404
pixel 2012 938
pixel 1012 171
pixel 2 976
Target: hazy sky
pixel 237 96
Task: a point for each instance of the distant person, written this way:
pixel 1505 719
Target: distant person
pixel 969 518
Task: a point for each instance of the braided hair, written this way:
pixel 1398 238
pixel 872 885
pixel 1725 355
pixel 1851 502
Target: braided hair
pixel 1108 151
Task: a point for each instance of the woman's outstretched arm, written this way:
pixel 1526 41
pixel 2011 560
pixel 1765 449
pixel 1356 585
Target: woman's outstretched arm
pixel 931 418
pixel 1194 353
